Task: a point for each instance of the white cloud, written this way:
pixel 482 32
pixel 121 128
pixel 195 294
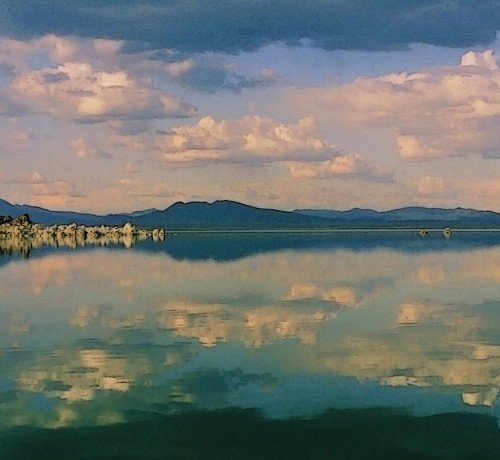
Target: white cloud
pixel 343 166
pixel 444 111
pixel 430 186
pixel 82 79
pixel 52 194
pixel 211 73
pixel 36 178
pixel 179 68
pixel 83 149
pixel 19 136
pixel 485 59
pixel 107 47
pixel 75 90
pixel 126 181
pixel 50 50
pixel 94 80
pixel 131 168
pixel 250 138
pixel 31 178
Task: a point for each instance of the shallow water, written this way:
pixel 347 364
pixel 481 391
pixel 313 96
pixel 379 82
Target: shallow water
pixel 288 326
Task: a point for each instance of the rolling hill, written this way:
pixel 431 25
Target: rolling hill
pixel 226 214
pixel 47 217
pixel 418 216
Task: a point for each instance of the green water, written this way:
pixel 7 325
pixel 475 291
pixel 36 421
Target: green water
pixel 253 346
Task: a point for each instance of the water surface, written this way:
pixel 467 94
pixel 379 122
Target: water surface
pixel 253 334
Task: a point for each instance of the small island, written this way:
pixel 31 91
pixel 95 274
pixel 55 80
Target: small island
pixel 21 235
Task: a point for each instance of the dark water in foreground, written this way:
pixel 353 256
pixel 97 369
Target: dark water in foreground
pixel 253 346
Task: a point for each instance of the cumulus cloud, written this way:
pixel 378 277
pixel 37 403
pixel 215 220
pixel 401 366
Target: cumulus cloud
pixel 444 111
pixel 19 56
pixel 343 166
pixel 131 168
pixel 19 137
pixel 40 190
pixel 83 149
pixel 32 178
pixel 75 90
pixel 250 138
pixel 94 80
pixel 260 140
pixel 35 178
pixel 179 68
pixel 87 80
pixel 228 25
pixel 430 186
pixel 211 73
pixel 17 141
pixel 485 59
pixel 51 193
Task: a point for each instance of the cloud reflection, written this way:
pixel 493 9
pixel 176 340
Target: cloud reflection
pixel 97 332
pixel 211 324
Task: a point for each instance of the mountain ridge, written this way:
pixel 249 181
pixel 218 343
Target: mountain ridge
pixel 229 214
pixel 405 213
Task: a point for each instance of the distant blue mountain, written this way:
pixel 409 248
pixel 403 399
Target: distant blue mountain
pixel 225 214
pixel 140 213
pixel 46 217
pixel 410 214
pixel 353 214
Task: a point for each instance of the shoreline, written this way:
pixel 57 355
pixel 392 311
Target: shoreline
pixel 334 230
pixel 20 234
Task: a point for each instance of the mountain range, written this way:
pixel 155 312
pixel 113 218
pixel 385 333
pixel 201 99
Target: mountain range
pixel 225 214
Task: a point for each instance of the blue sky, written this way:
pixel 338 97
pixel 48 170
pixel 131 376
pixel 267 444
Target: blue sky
pixel 121 105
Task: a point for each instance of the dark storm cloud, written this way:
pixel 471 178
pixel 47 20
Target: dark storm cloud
pixel 233 25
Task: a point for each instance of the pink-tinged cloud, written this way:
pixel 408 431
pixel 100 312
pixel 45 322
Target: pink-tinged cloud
pixel 55 201
pixel 82 80
pixel 131 168
pixel 93 80
pixel 84 149
pixel 483 191
pixel 35 178
pixel 212 73
pixel 430 186
pixel 54 50
pixel 343 166
pixel 438 112
pixel 247 139
pixel 77 91
pixel 19 137
pixel 486 59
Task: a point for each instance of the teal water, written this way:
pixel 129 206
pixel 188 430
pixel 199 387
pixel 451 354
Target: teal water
pixel 253 346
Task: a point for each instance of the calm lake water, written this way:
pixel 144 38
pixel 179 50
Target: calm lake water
pixel 253 346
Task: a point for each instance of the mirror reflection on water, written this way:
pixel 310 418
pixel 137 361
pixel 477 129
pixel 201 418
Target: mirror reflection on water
pixel 291 325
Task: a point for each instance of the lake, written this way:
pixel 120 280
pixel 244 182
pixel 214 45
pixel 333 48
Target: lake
pixel 265 345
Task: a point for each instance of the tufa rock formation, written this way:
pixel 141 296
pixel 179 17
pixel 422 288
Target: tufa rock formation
pixel 21 235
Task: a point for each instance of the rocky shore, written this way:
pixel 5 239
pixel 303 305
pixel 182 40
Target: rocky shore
pixel 21 235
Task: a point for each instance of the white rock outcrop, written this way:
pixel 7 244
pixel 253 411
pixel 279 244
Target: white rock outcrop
pixel 21 235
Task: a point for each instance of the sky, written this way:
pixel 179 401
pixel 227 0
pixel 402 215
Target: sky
pixel 121 105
